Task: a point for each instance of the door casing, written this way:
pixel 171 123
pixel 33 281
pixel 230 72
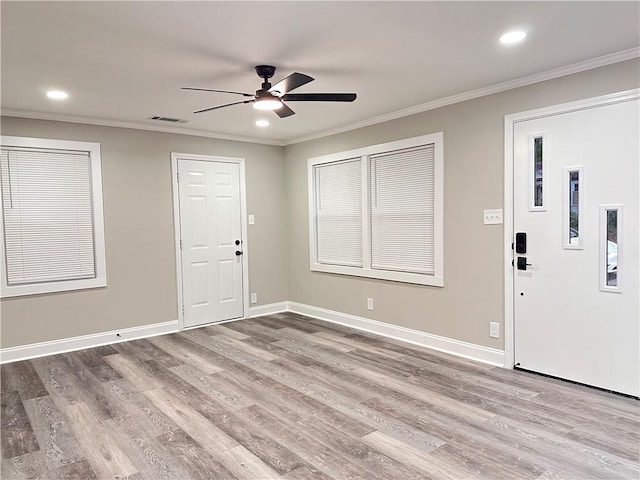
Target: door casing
pixel 176 228
pixel 509 122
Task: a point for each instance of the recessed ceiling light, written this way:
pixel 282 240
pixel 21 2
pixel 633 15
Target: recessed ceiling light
pixel 57 94
pixel 512 37
pixel 262 123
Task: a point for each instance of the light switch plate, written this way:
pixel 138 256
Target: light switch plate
pixel 493 217
pixel 252 220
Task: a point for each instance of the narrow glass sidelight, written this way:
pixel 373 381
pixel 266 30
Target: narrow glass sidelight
pixel 611 266
pixel 573 205
pixel 537 169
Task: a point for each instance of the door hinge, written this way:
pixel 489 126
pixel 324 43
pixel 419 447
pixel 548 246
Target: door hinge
pixel 183 310
pixel 180 244
pixel 178 177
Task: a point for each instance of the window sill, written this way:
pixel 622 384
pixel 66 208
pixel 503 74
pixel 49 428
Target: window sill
pixel 51 287
pixel 404 277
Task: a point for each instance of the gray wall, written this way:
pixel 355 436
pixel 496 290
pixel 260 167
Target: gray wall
pixel 138 215
pixel 474 157
pixel 139 221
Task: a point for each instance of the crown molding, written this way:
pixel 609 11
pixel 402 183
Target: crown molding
pixel 134 125
pixel 442 102
pixel 481 92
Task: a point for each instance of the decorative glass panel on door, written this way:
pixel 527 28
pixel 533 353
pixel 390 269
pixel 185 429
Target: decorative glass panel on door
pixel 573 204
pixel 611 266
pixel 537 169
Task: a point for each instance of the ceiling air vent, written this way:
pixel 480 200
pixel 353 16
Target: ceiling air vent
pixel 167 119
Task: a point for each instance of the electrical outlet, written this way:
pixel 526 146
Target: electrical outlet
pixel 493 217
pixel 494 329
pixel 369 303
pixel 254 298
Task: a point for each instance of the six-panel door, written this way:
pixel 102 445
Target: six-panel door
pixel 210 224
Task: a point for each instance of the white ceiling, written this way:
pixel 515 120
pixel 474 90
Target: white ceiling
pixel 122 62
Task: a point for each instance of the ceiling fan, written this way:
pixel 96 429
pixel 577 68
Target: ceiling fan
pixel 270 97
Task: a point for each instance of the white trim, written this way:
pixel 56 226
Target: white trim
pixel 509 122
pixel 443 344
pixel 481 92
pixel 602 61
pixel 451 346
pixel 366 271
pixel 56 117
pixel 175 156
pixel 271 308
pixel 99 249
pixel 41 349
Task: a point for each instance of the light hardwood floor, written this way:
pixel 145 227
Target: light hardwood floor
pixel 285 396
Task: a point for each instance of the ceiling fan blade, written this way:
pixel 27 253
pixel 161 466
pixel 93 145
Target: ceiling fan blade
pixel 218 91
pixel 319 97
pixel 222 106
pixel 289 83
pixel 284 111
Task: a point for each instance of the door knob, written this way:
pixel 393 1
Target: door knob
pixel 237 242
pixel 238 253
pixel 522 263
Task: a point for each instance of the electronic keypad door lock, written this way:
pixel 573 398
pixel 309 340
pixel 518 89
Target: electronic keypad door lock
pixel 521 242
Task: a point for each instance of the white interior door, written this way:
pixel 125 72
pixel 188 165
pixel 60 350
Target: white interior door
pixel 211 241
pixel 576 306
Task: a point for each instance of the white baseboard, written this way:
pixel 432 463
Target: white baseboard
pixel 471 351
pixel 34 350
pixel 268 309
pixel 479 353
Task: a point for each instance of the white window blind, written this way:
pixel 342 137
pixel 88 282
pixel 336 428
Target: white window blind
pixel 377 211
pixel 338 212
pixel 47 215
pixel 402 187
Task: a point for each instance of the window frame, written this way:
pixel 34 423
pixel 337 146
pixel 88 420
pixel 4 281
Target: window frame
pixel 100 279
pixel 366 271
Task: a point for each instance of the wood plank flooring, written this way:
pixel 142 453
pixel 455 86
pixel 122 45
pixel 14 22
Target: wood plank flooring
pixel 284 396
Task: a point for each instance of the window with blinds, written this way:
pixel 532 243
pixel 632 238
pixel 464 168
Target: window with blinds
pixel 377 212
pixel 339 212
pixel 49 217
pixel 402 210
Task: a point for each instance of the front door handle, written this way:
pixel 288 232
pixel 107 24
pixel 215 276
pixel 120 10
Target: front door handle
pixel 522 263
pixel 238 253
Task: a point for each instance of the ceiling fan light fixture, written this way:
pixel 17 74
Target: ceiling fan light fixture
pixel 267 103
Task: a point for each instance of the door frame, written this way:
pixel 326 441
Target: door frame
pixel 509 124
pixel 175 156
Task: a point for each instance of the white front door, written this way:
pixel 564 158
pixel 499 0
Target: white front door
pixel 576 305
pixel 211 241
